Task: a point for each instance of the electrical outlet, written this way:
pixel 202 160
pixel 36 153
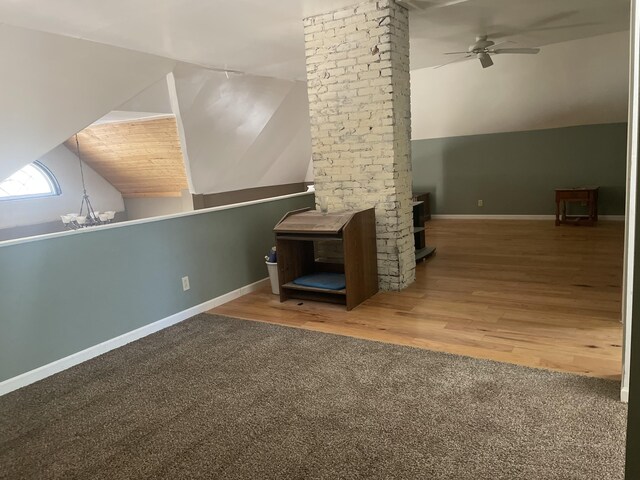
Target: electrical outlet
pixel 185 284
pixel 481 203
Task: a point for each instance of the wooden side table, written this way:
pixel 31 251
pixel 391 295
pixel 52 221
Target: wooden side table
pixel 588 195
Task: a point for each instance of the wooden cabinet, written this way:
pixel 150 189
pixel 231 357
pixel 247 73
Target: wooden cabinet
pixel 421 213
pixel 586 195
pixel 303 236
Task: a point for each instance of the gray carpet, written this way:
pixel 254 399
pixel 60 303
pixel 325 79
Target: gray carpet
pixel 216 397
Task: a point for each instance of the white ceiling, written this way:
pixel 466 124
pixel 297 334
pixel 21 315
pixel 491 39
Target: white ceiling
pixel 266 37
pixel 256 36
pixel 530 23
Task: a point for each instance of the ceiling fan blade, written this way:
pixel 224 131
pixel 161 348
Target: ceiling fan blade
pixel 553 18
pixel 456 53
pixel 468 57
pixel 564 27
pixel 450 3
pixel 421 6
pixel 541 24
pixel 531 51
pixel 493 47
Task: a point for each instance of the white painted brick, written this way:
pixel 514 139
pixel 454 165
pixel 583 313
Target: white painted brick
pixel 347 12
pixel 357 19
pixel 360 117
pixel 368 75
pixel 334 24
pixel 366 7
pixel 346 62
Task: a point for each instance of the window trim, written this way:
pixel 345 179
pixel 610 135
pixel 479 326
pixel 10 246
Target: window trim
pixel 51 179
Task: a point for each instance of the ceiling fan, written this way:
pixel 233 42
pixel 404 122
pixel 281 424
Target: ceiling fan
pixel 484 48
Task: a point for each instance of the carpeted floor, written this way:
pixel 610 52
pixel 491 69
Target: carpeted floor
pixel 216 397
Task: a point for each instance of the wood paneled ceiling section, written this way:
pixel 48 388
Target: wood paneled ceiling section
pixel 140 158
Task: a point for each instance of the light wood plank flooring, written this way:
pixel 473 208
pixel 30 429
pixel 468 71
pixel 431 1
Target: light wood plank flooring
pixel 524 292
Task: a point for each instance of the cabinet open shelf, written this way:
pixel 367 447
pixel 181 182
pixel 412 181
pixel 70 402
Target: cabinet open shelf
pixel 424 252
pixel 421 213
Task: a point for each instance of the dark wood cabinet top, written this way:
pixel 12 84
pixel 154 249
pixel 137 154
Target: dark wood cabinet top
pixel 314 221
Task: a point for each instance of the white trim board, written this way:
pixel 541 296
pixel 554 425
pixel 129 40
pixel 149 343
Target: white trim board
pixel 624 394
pixel 52 368
pixel 147 118
pixel 630 239
pixel 89 231
pixel 618 218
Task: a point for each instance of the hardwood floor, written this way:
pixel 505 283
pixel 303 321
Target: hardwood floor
pixel 524 292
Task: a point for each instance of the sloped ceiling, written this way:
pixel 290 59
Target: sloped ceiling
pixel 255 36
pixel 53 86
pixel 243 131
pixel 140 159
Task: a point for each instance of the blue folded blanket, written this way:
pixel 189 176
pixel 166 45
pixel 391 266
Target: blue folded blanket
pixel 330 281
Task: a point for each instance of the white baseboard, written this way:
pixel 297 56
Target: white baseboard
pixel 515 217
pixel 39 373
pixel 493 217
pixel 624 395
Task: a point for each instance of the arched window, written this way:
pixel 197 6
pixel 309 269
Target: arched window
pixel 34 180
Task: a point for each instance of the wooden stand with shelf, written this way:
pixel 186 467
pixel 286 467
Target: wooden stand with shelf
pixel 421 213
pixel 585 195
pixel 297 235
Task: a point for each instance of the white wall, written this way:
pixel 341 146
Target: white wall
pixel 65 166
pixel 309 175
pixel 54 86
pixel 147 207
pixel 579 82
pixel 241 132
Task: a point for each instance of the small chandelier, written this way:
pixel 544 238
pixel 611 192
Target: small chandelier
pixel 92 218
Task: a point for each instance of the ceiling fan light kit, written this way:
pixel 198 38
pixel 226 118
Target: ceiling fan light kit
pixel 485 60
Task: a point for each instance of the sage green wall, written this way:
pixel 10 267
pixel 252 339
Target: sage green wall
pixel 61 295
pixel 515 173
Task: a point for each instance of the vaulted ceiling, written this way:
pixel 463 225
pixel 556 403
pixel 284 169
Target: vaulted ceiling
pixel 139 158
pixel 266 38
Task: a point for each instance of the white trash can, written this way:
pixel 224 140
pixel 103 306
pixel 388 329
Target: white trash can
pixel 273 276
